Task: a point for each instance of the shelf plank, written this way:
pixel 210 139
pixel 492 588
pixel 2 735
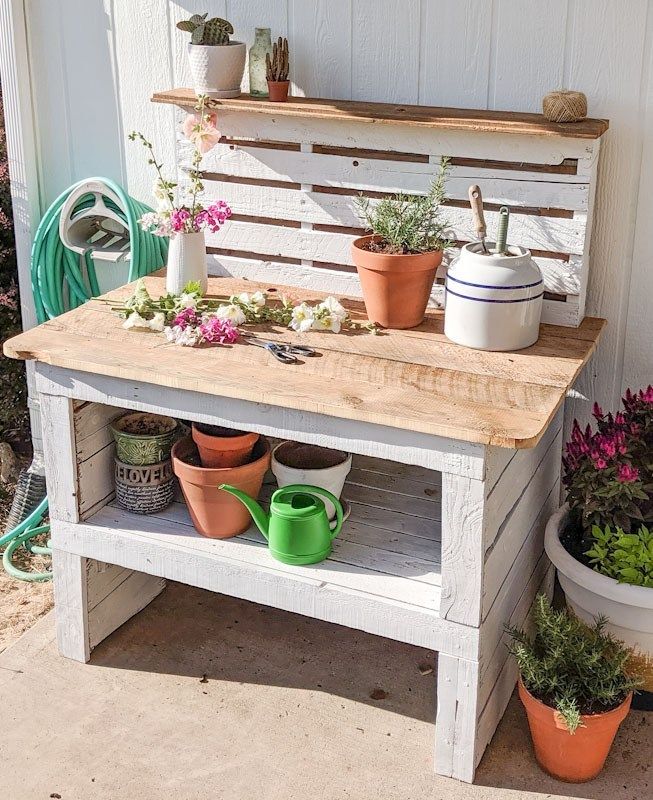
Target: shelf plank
pixel 410 380
pixel 433 117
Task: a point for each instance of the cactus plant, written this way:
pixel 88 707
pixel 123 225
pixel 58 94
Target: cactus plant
pixel 277 67
pixel 212 32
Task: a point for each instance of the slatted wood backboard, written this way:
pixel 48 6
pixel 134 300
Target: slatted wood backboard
pixel 290 174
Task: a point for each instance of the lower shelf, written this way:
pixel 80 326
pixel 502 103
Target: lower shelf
pixel 383 575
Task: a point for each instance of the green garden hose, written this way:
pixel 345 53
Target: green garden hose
pixel 63 279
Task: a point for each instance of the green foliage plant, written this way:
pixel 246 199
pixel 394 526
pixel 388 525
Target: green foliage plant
pixel 213 32
pixel 626 557
pixel 570 666
pixel 408 223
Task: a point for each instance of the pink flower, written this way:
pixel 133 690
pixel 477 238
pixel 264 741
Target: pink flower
pixel 188 318
pixel 202 132
pixel 218 331
pixel 627 473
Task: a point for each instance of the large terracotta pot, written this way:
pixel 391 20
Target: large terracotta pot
pixel 217 514
pixel 576 757
pixel 223 447
pixel 396 288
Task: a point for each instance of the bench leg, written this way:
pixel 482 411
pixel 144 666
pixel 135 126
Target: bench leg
pixel 93 599
pixel 456 719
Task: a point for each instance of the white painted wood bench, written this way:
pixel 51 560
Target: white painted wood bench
pixel 457 467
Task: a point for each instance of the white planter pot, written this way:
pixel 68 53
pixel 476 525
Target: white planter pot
pixel 330 478
pixel 217 70
pixel 493 302
pixel 186 262
pixel 629 609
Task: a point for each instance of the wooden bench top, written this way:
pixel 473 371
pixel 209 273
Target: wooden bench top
pixel 413 380
pixel 458 119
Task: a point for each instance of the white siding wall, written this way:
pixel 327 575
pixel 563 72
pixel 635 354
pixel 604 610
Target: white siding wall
pixel 95 64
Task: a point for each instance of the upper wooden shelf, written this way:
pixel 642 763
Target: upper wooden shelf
pixel 414 380
pixel 456 119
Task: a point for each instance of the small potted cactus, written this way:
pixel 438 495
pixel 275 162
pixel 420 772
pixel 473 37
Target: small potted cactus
pixel 277 68
pixel 217 64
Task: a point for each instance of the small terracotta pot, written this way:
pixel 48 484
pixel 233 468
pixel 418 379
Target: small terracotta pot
pixel 216 514
pixel 223 447
pixel 396 288
pixel 278 91
pixel 576 757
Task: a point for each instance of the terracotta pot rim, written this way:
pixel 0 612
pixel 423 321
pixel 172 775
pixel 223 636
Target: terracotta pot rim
pixel 617 711
pixel 357 243
pixel 279 83
pixel 239 441
pixel 219 471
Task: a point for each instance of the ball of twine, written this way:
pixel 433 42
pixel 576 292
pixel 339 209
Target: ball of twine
pixel 564 106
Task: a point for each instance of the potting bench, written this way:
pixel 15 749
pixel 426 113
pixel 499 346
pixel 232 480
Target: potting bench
pixel 457 467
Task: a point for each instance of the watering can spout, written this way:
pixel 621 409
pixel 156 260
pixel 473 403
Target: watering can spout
pixel 258 514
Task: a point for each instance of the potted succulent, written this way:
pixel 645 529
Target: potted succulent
pixel 576 690
pixel 223 447
pixel 277 69
pixel 602 542
pixel 397 263
pixel 217 64
pixel 217 514
pixel 307 464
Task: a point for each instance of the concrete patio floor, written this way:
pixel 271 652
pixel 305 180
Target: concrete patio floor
pixel 202 696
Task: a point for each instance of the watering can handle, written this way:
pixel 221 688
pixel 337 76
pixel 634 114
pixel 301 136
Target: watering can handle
pixel 336 503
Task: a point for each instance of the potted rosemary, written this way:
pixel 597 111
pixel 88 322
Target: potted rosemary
pixel 576 690
pixel 601 541
pixel 217 64
pixel 397 263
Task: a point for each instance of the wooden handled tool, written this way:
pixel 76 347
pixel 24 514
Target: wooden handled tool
pixel 476 202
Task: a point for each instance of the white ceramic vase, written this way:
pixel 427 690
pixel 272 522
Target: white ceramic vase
pixel 628 608
pixel 330 478
pixel 186 262
pixel 217 70
pixel 493 302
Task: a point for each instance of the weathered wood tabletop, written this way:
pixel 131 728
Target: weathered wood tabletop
pixel 414 380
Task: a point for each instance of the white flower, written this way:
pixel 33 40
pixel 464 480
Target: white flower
pixel 334 307
pixel 135 320
pixel 257 299
pixel 161 196
pixel 158 322
pixel 329 315
pixel 303 317
pixel 187 337
pixel 187 300
pixel 232 312
pixel 156 222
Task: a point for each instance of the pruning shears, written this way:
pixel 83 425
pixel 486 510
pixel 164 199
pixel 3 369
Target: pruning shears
pixel 282 351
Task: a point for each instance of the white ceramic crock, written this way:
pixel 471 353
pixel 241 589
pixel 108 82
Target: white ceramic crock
pixel 493 302
pixel 217 70
pixel 186 262
pixel 628 608
pixel 330 478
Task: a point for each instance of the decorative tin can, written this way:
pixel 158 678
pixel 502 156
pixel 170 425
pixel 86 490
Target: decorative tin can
pixel 144 490
pixel 493 302
pixel 143 438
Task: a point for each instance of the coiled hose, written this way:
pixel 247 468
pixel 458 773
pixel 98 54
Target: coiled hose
pixel 62 280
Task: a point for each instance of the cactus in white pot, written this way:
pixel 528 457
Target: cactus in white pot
pixel 217 63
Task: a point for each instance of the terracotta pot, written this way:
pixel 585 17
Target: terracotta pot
pixel 216 514
pixel 223 447
pixel 396 288
pixel 576 757
pixel 278 91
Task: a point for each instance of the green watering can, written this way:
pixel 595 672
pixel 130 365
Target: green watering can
pixel 297 529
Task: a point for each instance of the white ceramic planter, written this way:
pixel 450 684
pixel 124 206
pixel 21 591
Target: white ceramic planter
pixel 186 262
pixel 493 302
pixel 331 478
pixel 217 70
pixel 629 609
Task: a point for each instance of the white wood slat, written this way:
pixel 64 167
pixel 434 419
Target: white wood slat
pixel 393 483
pixel 163 533
pixel 394 469
pixel 554 234
pixel 515 187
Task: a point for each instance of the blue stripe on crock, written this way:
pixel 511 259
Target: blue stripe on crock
pixel 484 286
pixel 483 300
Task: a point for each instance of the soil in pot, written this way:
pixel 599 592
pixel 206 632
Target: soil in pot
pixel 217 514
pixel 223 447
pixel 576 757
pixel 143 438
pixel 396 286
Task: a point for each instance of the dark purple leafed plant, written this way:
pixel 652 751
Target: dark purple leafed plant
pixel 608 472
